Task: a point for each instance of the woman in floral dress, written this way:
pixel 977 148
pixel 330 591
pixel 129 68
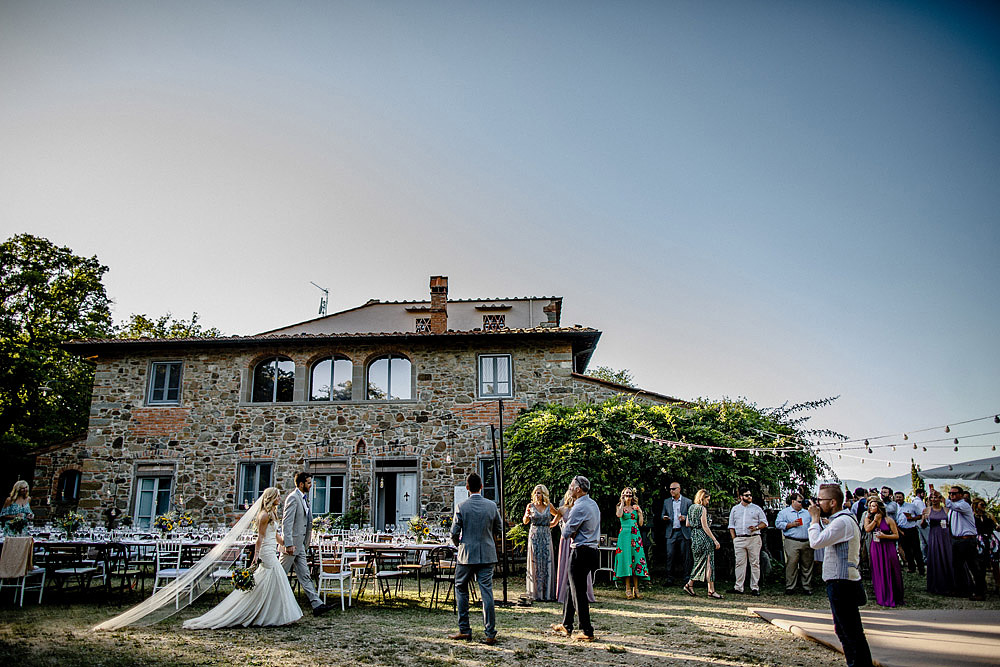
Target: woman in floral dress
pixel 630 558
pixel 540 577
pixel 703 545
pixel 18 505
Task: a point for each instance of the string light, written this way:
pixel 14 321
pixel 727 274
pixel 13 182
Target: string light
pixel 947 429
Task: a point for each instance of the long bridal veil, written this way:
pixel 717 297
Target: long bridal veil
pixel 185 589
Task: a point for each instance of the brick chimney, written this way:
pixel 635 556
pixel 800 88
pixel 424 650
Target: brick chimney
pixel 439 304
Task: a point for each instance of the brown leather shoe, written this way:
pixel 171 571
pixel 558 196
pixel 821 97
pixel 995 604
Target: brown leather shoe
pixel 580 637
pixel 490 641
pixel 461 636
pixel 559 629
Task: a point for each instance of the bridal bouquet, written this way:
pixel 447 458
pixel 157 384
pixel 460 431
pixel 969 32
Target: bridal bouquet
pixel 243 579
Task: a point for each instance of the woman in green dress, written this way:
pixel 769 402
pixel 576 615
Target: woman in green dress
pixel 703 545
pixel 630 559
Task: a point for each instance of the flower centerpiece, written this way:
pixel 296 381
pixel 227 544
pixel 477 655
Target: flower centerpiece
pixel 446 522
pixel 420 528
pixel 243 579
pixel 71 523
pixel 324 523
pixel 172 520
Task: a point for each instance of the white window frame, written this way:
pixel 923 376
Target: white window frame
pixel 151 390
pixel 494 359
pixel 327 489
pixel 141 520
pixel 244 469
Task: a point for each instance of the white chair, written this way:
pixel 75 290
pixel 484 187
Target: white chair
pixel 168 564
pixel 20 583
pixel 235 554
pixel 332 569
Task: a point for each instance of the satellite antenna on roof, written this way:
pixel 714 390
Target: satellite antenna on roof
pixel 323 299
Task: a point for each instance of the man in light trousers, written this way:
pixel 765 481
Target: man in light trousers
pixel 746 521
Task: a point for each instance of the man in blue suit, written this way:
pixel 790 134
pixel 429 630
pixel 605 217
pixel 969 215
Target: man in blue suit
pixel 477 520
pixel 677 535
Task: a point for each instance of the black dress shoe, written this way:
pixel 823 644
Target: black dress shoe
pixel 321 609
pixel 807 592
pixel 755 593
pixel 735 591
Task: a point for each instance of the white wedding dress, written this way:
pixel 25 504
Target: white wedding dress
pixel 271 602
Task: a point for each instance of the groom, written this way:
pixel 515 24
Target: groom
pixel 476 521
pixel 296 525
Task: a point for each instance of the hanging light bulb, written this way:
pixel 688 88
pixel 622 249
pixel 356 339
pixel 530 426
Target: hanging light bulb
pixel 996 419
pixel 906 437
pixel 840 457
pixel 894 448
pixel 956 441
pixel 950 468
pixel 994 448
pixel 947 429
pixel 862 460
pixel 925 449
pixel 991 466
pixel 888 464
pixel 914 445
pixel 956 449
pixel 866 442
pixel 870 450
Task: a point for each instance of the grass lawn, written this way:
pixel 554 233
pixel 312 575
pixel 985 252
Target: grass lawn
pixel 667 627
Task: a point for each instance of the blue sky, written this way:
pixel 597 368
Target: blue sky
pixel 780 200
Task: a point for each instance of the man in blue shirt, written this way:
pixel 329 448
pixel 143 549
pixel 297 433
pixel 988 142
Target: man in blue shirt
pixel 583 527
pixel 793 522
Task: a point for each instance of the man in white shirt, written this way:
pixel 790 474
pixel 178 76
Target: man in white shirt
pixel 907 519
pixel 746 520
pixel 841 543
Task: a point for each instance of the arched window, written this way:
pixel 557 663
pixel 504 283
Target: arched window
pixel 389 378
pixel 69 486
pixel 331 380
pixel 273 381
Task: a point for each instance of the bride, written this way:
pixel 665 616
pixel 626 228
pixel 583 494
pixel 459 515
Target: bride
pixel 271 601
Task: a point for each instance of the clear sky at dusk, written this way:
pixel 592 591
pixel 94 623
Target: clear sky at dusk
pixel 781 200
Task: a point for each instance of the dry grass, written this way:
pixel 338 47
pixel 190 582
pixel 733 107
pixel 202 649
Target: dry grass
pixel 665 628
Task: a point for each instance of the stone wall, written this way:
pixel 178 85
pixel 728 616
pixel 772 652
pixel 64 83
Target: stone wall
pixel 444 427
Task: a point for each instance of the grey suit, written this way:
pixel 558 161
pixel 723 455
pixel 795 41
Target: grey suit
pixel 476 521
pixel 677 541
pixel 296 528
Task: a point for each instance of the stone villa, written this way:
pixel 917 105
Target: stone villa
pixel 398 396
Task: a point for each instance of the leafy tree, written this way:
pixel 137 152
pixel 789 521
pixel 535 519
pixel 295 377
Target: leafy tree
pixel 551 444
pixel 142 326
pixel 47 295
pixel 608 374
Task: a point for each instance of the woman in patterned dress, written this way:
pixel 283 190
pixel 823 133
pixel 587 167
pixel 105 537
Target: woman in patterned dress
pixel 630 558
pixel 540 577
pixel 17 505
pixel 703 545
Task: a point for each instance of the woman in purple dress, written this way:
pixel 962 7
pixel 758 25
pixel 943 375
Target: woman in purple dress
pixel 887 573
pixel 562 573
pixel 940 575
